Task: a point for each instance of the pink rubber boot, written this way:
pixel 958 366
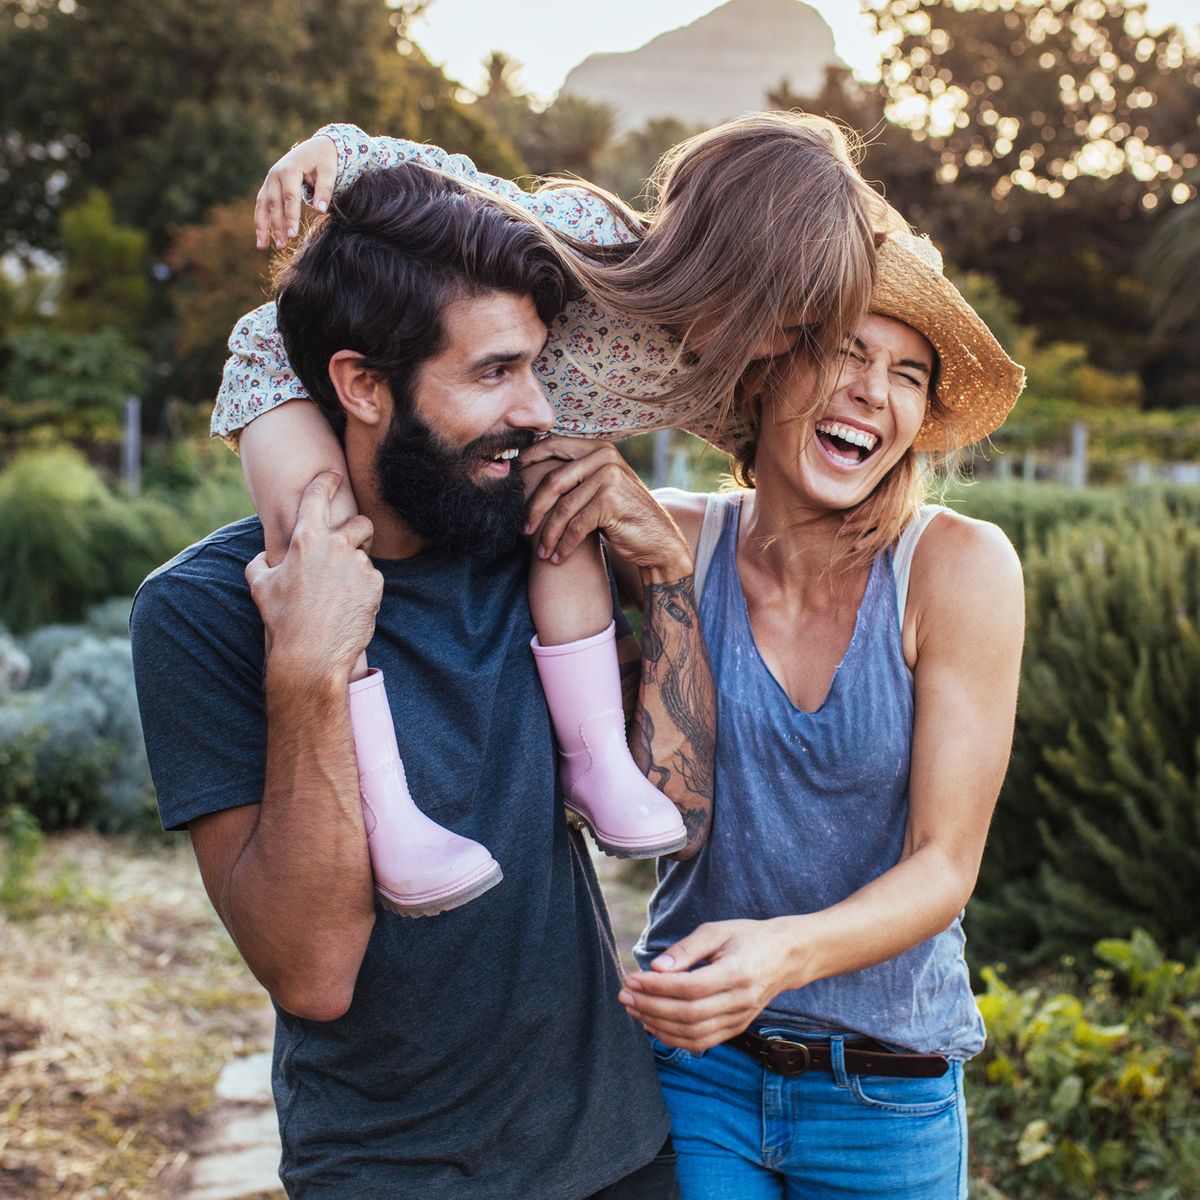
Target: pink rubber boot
pixel 420 868
pixel 604 790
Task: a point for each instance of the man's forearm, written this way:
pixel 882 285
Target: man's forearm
pixel 299 898
pixel 674 725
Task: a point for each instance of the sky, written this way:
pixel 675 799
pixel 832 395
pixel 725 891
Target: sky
pixel 549 39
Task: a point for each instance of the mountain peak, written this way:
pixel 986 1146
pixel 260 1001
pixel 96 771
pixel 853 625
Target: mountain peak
pixel 720 65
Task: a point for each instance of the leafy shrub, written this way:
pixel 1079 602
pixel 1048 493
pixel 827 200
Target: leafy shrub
pixel 67 541
pixel 1091 1091
pixel 110 619
pixel 72 752
pixel 23 845
pixel 1030 512
pixel 1098 825
pixel 14 665
pixel 44 647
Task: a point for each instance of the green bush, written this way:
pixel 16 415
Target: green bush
pixel 1092 1090
pixel 1098 825
pixel 68 541
pixel 1030 512
pixel 71 752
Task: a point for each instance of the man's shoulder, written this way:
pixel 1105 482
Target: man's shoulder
pixel 224 552
pixel 209 575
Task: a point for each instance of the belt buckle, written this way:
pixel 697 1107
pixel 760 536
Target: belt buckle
pixel 788 1048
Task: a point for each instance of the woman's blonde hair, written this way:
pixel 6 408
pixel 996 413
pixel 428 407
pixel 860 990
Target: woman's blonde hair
pixel 873 525
pixel 759 224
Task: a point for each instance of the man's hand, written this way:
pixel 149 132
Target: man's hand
pixel 319 604
pixel 277 207
pixel 577 486
pixel 697 1009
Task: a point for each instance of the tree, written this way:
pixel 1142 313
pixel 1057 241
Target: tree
pixel 198 98
pixel 59 385
pixel 216 278
pixel 1066 130
pixel 569 137
pixel 106 280
pixel 625 165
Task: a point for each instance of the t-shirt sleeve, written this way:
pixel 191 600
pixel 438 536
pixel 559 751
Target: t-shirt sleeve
pixel 197 660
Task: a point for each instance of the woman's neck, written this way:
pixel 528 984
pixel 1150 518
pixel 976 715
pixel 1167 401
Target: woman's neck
pixel 791 542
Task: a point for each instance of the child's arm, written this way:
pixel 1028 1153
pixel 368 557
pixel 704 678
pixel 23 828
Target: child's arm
pixel 282 452
pixel 312 168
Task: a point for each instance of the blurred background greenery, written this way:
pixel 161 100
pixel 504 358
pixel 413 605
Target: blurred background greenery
pixel 1063 196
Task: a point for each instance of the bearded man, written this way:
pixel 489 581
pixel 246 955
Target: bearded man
pixel 481 1052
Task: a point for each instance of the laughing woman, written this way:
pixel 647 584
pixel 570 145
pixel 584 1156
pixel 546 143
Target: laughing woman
pixel 803 977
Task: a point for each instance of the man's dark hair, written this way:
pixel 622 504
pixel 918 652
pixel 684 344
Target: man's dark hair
pixel 376 274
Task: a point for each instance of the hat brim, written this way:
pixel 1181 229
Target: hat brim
pixel 977 383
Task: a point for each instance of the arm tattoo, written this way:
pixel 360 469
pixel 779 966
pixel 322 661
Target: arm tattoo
pixel 675 661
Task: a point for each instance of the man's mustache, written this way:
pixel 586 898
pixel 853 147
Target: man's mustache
pixel 491 444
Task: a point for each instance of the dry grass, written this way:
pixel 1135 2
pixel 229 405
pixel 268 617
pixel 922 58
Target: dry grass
pixel 121 997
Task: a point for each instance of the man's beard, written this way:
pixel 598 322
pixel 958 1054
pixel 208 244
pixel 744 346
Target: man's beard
pixel 430 486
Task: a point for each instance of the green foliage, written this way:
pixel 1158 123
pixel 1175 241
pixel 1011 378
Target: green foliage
pixel 1098 826
pixel 198 99
pixel 1091 1092
pixel 71 752
pixel 23 845
pixel 106 282
pixel 60 385
pixel 68 541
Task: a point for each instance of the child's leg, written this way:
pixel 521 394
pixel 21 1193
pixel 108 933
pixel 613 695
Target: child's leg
pixel 420 868
pixel 570 600
pixel 576 654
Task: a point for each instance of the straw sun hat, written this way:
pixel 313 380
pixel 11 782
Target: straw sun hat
pixel 977 383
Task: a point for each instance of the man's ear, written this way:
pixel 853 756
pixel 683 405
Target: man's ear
pixel 363 394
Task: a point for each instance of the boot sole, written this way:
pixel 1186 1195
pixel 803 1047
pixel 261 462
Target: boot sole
pixel 615 850
pixel 470 889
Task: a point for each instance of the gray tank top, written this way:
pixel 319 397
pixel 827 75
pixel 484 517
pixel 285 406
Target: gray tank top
pixel 810 807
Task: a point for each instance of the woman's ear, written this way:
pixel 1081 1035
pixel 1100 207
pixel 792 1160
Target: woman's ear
pixel 362 393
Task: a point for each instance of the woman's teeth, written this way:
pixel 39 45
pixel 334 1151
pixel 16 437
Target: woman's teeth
pixel 847 433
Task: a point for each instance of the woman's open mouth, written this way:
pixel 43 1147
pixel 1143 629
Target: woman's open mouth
pixel 845 444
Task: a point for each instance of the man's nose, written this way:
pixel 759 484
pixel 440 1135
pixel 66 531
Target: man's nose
pixel 530 408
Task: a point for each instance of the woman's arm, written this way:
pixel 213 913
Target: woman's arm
pixel 967 602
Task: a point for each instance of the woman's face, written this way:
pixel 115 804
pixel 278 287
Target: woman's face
pixel 868 423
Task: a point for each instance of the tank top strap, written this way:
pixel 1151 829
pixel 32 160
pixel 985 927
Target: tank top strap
pixel 906 547
pixel 716 510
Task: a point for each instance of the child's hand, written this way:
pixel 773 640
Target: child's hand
pixel 319 604
pixel 277 208
pixel 588 486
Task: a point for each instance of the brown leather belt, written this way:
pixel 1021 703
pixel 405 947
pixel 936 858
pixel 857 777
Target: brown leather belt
pixel 786 1057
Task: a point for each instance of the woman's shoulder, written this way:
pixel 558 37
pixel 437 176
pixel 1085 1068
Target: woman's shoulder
pixel 963 560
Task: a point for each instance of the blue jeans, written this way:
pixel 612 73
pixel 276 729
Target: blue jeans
pixel 745 1133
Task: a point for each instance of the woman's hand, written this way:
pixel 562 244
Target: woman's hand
pixel 576 486
pixel 277 208
pixel 746 966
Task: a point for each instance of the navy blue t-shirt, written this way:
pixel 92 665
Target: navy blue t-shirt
pixel 484 1053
